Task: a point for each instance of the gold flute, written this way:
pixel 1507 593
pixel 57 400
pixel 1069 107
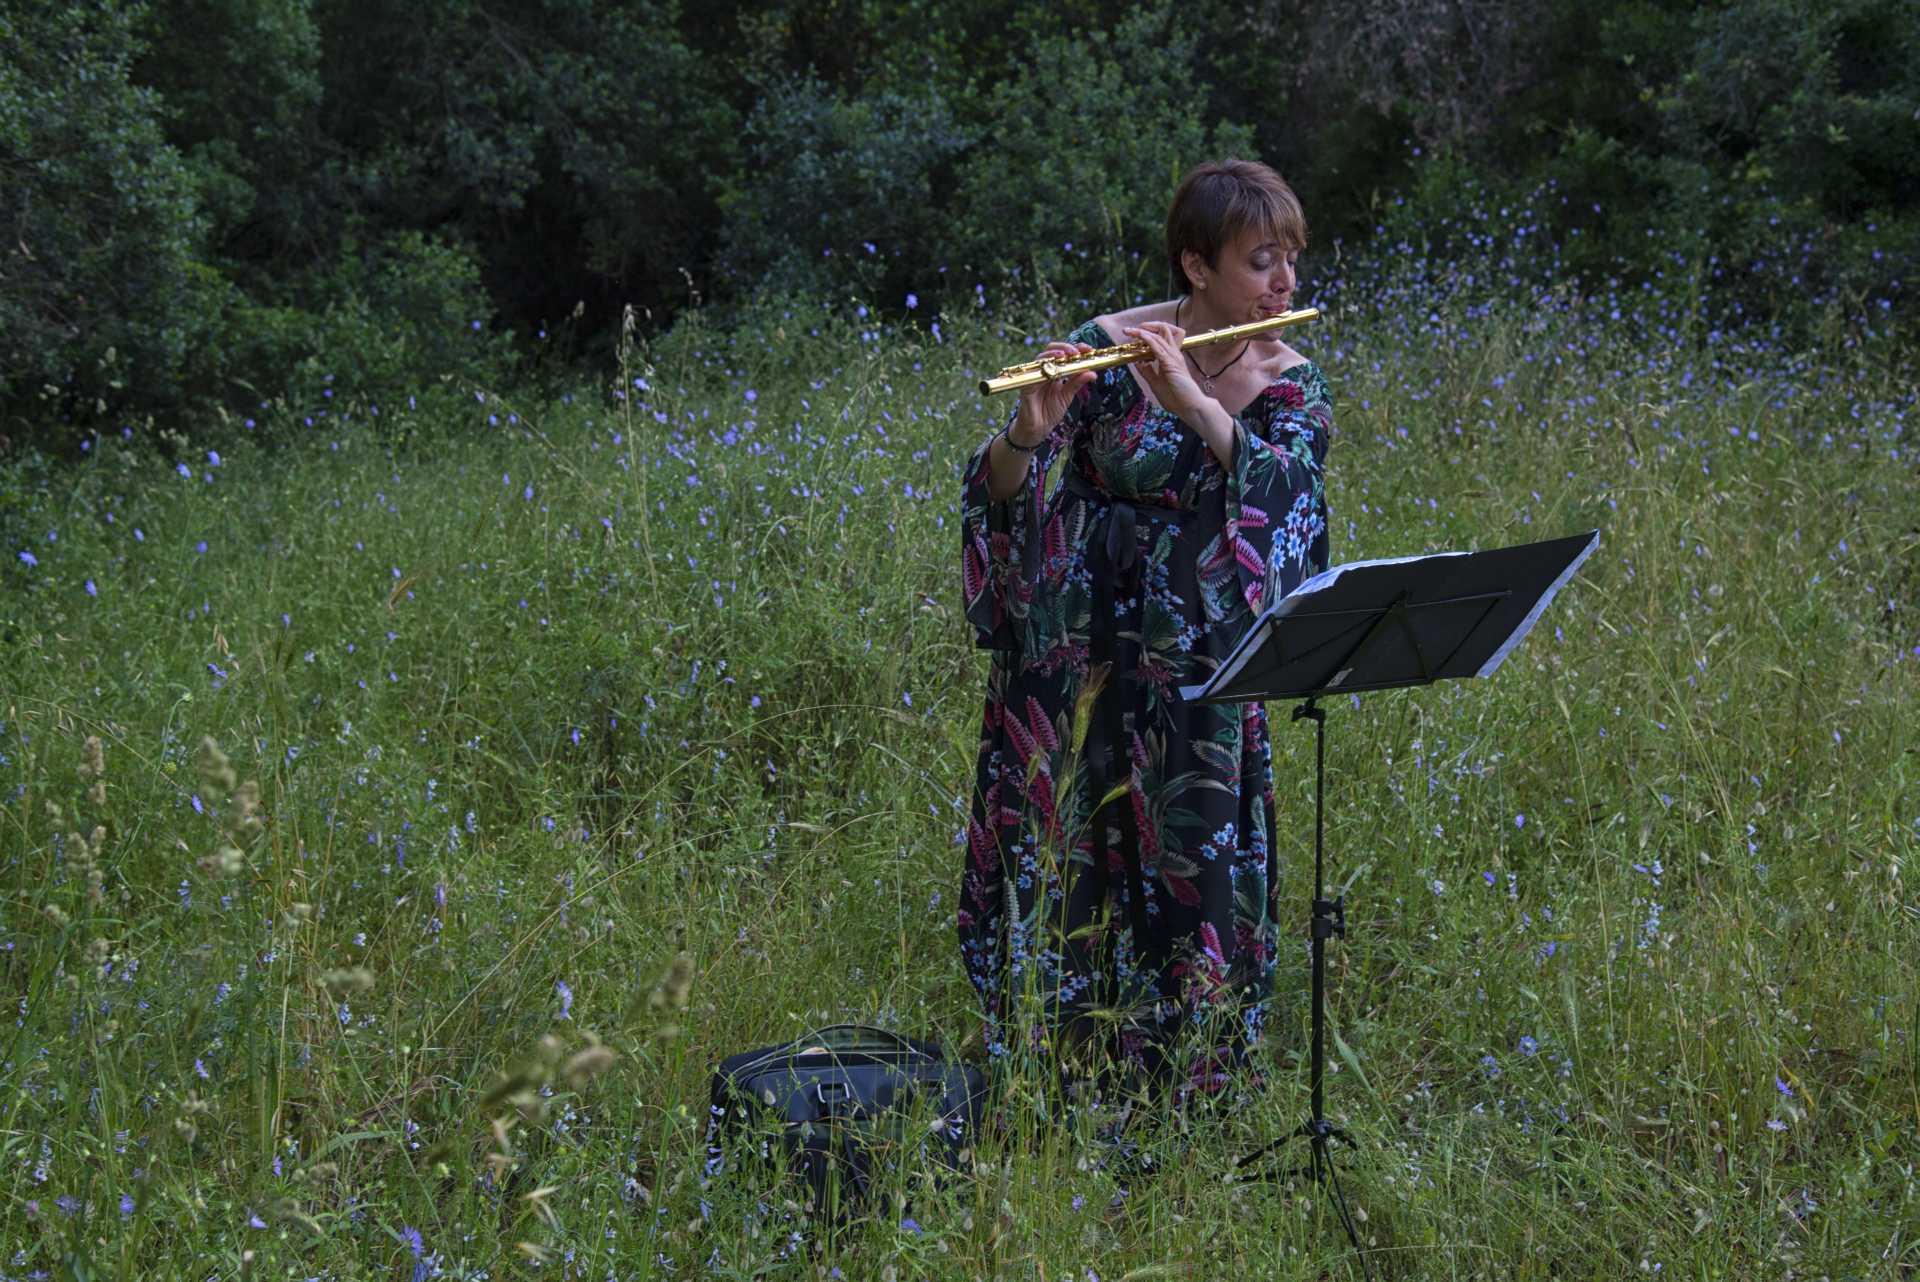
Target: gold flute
pixel 1014 377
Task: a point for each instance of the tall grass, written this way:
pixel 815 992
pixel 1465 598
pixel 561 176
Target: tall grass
pixel 469 780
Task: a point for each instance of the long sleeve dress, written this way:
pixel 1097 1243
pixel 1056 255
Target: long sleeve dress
pixel 1120 862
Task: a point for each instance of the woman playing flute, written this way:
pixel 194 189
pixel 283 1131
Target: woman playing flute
pixel 1131 886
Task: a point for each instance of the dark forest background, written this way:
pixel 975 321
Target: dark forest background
pixel 206 204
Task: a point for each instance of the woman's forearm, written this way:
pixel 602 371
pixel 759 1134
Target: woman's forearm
pixel 1213 425
pixel 1007 466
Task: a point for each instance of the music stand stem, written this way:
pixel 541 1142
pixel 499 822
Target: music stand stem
pixel 1328 919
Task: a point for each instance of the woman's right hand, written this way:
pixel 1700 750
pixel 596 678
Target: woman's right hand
pixel 1044 404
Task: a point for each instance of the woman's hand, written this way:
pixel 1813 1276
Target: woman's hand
pixel 1165 372
pixel 1043 405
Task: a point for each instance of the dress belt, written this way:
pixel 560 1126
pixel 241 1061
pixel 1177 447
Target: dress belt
pixel 1108 755
pixel 1123 520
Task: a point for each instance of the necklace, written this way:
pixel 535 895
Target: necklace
pixel 1206 379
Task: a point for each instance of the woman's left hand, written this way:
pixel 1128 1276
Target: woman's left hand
pixel 1165 372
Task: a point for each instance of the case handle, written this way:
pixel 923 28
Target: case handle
pixel 823 1035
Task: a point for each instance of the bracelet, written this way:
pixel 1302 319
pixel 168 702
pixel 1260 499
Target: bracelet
pixel 1006 434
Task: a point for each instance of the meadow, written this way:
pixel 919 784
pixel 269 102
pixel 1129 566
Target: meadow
pixel 408 802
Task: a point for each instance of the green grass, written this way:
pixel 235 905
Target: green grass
pixel 509 739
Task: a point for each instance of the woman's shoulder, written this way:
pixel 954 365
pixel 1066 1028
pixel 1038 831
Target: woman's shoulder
pixel 1113 324
pixel 1093 331
pixel 1290 365
pixel 1296 382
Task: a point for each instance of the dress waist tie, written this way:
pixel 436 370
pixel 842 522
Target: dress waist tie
pixel 1116 578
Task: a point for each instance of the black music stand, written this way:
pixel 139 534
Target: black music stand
pixel 1379 625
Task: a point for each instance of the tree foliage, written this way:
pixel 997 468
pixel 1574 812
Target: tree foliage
pixel 102 292
pixel 208 201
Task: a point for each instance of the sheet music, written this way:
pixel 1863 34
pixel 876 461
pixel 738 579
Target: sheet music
pixel 1328 577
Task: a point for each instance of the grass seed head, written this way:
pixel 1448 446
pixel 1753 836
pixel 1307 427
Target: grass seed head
pixel 350 979
pixel 1083 705
pixel 674 987
pixel 225 861
pixel 93 759
pixel 506 1088
pixel 216 772
pixel 192 1109
pixel 587 1064
pixel 538 1201
pixel 243 816
pixel 320 1173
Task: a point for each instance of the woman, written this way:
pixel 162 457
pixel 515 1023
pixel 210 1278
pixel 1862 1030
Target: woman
pixel 1120 851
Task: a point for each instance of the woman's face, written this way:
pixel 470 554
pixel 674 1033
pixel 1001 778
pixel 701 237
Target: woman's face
pixel 1252 280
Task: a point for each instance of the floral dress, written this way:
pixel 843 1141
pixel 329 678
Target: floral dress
pixel 1120 863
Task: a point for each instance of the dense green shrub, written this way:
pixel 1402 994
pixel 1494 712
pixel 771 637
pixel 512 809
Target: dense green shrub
pixel 835 188
pixel 242 86
pixel 1058 171
pixel 1086 140
pixel 1773 140
pixel 100 297
pixel 1091 135
pixel 573 145
pixel 406 313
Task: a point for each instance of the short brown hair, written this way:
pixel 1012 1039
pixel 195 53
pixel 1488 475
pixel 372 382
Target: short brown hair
pixel 1222 198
